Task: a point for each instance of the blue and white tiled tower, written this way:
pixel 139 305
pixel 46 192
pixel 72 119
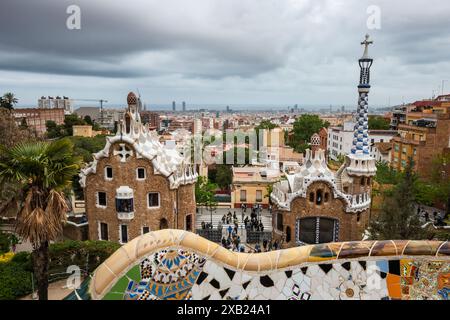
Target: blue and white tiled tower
pixel 361 133
pixel 354 176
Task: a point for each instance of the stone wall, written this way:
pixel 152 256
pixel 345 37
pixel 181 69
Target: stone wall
pixel 175 264
pixel 124 174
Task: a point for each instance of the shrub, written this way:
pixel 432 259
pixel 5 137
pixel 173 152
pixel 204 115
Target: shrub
pixel 87 254
pixel 15 281
pixel 23 259
pixel 4 243
pixel 15 275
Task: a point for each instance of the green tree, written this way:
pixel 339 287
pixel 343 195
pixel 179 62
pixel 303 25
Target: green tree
pixel 42 170
pixel 224 176
pixel 88 120
pixel 269 189
pixel 205 193
pixel 53 130
pixel 70 121
pixel 304 127
pixel 378 123
pixel 266 124
pixel 398 220
pixel 8 101
pixel 10 132
pixel 386 174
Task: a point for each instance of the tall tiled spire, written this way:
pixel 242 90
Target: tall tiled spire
pixel 361 133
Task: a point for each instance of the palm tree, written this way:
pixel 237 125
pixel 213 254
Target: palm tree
pixel 42 170
pixel 9 100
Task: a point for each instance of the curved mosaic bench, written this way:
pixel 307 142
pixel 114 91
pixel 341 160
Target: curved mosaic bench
pixel 176 264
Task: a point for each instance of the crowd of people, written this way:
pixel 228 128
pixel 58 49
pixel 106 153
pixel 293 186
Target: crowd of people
pixel 435 217
pixel 232 222
pixel 233 243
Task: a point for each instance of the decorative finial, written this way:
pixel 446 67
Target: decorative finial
pixel 366 43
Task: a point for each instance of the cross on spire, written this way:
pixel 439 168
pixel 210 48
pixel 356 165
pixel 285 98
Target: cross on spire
pixel 366 43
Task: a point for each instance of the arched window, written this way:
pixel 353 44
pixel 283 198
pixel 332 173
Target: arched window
pixel 189 222
pixel 311 196
pixel 362 181
pixel 288 234
pixel 358 216
pixel 108 173
pixel 326 197
pixel 280 221
pixel 127 123
pixel 163 224
pixel 368 181
pixel 319 198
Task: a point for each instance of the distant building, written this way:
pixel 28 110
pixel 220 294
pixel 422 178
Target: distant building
pixel 183 106
pixel 340 139
pixel 36 118
pixel 381 151
pixel 424 134
pixel 151 118
pixel 56 103
pixel 398 117
pixel 174 106
pixel 85 131
pixel 323 134
pixel 250 185
pixel 176 124
pixel 92 112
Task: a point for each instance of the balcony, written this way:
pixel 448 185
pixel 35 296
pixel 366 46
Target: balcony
pixel 125 215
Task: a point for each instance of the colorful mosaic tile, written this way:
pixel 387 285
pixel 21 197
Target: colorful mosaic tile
pixel 347 271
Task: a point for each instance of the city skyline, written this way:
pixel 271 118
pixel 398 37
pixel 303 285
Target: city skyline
pixel 211 55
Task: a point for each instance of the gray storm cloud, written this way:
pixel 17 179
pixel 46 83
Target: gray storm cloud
pixel 263 51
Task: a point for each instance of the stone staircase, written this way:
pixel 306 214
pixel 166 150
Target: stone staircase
pixel 216 218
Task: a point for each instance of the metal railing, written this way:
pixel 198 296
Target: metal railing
pixel 210 234
pixel 258 236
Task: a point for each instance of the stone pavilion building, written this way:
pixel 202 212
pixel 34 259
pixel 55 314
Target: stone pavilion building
pixel 317 205
pixel 136 184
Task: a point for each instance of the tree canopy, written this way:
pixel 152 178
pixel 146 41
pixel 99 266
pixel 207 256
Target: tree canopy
pixel 205 193
pixel 8 101
pixel 398 219
pixel 304 127
pixel 378 123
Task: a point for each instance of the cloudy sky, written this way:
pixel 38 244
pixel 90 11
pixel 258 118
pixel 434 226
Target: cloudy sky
pixel 236 52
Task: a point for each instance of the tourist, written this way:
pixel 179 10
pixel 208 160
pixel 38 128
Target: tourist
pixel 265 244
pixel 203 225
pixel 230 230
pixel 275 245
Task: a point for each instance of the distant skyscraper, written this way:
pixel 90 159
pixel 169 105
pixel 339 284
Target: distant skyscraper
pixel 184 105
pixel 174 106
